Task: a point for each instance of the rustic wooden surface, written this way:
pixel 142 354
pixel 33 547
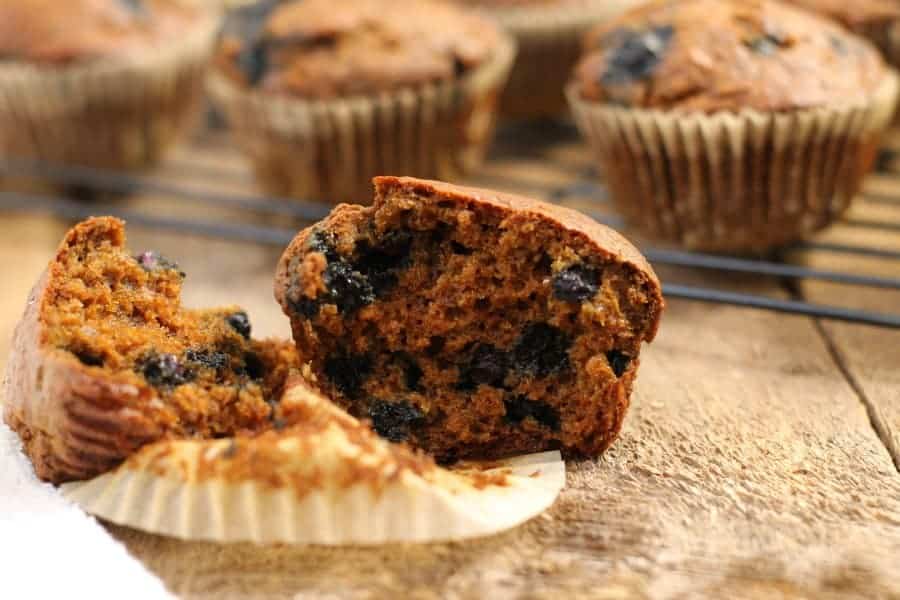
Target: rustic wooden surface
pixel 758 459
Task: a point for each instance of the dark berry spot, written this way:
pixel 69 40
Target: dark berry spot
pixel 323 242
pixel 435 345
pixel 278 423
pixel 347 288
pixel 487 366
pixel 392 420
pixel 380 262
pixel 248 24
pixel 208 359
pixel 88 357
pixel 348 372
pixel 308 307
pixel 254 366
pixel 520 408
pixel 544 264
pixel 135 7
pixel 618 362
pixel 768 43
pixel 253 61
pixel 154 261
pixel 839 45
pixel 460 249
pixel 886 160
pixel 635 54
pixel 240 322
pixel 542 350
pixel 575 284
pixel 163 370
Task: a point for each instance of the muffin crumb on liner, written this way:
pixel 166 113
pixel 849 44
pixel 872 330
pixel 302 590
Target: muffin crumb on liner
pixel 325 478
pixel 744 181
pixel 330 149
pixel 112 113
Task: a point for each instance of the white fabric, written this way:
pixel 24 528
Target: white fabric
pixel 49 548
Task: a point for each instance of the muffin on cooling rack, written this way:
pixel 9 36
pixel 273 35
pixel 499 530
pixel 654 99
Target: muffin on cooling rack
pixel 322 99
pixel 548 36
pixel 100 83
pixel 731 125
pixel 878 20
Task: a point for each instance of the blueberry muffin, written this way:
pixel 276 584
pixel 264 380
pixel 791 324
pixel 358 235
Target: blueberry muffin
pixel 127 75
pixel 105 360
pixel 548 35
pixel 323 99
pixel 471 323
pixel 731 125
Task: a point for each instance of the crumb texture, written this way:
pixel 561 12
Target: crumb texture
pixel 470 327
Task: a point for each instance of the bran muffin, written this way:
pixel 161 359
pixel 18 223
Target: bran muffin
pixel 471 323
pixel 731 125
pixel 323 100
pixel 99 83
pixel 548 35
pixel 105 360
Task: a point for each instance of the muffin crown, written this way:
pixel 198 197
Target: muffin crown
pixel 307 48
pixel 858 15
pixel 714 55
pixel 52 32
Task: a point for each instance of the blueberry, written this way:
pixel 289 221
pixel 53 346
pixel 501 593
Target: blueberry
pixel 88 357
pixel 254 367
pixel 346 287
pixel 323 242
pixel 380 262
pixel 154 261
pixel 767 43
pixel 618 362
pixel 308 307
pixel 576 283
pixel 542 350
pixel 240 322
pixel 209 359
pixel 248 23
pixel 460 249
pixel 635 54
pixel 520 408
pixel 348 372
pixel 135 7
pixel 163 370
pixel 253 61
pixel 487 366
pixel 393 420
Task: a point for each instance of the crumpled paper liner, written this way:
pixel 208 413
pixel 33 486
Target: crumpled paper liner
pixel 746 181
pixel 324 479
pixel 116 113
pixel 549 37
pixel 330 150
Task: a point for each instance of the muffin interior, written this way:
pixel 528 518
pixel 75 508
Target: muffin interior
pixel 465 329
pixel 120 315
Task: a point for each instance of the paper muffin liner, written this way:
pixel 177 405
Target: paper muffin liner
pixel 327 479
pixel 745 181
pixel 549 37
pixel 115 113
pixel 330 150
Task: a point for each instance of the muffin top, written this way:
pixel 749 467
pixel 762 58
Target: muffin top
pixel 726 55
pixel 857 15
pixel 59 32
pixel 311 49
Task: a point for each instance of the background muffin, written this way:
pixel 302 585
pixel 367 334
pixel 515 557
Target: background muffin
pixel 325 99
pixel 731 125
pixel 103 83
pixel 548 34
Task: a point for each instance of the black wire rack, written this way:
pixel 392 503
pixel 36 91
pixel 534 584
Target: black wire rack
pixel 106 188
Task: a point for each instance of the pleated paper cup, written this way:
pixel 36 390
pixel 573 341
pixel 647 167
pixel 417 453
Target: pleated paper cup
pixel 111 113
pixel 549 38
pixel 324 479
pixel 329 150
pixel 734 182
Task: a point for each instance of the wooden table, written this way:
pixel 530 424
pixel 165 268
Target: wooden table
pixel 759 458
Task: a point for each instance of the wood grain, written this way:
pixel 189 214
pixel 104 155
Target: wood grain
pixel 748 466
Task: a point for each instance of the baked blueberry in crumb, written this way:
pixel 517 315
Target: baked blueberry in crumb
pixel 633 55
pixel 575 284
pixel 542 350
pixel 393 420
pixel 135 7
pixel 768 43
pixel 209 359
pixel 163 370
pixel 348 372
pixel 487 366
pixel 618 362
pixel 254 367
pixel 248 24
pixel 154 261
pixel 379 263
pixel 520 408
pixel 346 287
pixel 240 322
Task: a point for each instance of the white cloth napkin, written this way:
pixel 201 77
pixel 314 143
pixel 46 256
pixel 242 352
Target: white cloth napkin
pixel 49 548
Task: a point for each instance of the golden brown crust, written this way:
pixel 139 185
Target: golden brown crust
pixel 726 55
pixel 859 15
pixel 51 32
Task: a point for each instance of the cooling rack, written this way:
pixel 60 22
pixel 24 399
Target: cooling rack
pixel 545 160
